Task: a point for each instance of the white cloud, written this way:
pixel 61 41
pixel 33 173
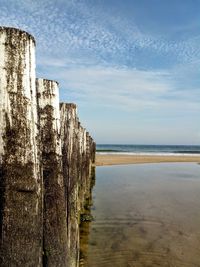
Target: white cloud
pixel 124 88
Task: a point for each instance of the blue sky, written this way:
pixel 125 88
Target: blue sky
pixel 132 66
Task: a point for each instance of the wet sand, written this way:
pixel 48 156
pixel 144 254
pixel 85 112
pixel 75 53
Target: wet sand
pixel 114 159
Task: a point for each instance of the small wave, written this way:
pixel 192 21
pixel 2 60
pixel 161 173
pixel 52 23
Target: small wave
pixel 187 152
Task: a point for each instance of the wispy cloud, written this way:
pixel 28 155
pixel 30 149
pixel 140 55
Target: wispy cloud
pixel 80 29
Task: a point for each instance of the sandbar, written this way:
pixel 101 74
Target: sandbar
pixel 115 159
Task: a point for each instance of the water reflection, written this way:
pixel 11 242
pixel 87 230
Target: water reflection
pixel 85 220
pixel 145 215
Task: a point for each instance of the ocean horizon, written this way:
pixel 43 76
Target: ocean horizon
pixel 132 149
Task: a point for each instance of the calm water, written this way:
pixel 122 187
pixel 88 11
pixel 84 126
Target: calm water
pixel 145 215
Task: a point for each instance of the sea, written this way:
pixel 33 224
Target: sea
pixel 171 150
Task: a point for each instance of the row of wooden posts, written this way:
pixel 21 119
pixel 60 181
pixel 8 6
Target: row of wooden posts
pixel 46 158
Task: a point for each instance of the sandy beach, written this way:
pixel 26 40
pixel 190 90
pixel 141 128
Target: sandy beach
pixel 114 159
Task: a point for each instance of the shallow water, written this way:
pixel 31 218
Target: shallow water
pixel 145 215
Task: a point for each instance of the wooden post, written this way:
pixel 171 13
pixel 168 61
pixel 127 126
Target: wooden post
pixel 71 161
pixel 55 226
pixel 20 176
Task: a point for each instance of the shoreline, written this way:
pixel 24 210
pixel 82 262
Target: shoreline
pixel 122 159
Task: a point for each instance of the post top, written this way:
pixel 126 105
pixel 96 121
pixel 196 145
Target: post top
pixel 68 105
pixel 47 80
pixel 16 30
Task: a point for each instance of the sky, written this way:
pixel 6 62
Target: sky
pixel 131 66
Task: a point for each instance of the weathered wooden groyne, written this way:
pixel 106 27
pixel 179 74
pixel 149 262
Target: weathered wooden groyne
pixel 46 160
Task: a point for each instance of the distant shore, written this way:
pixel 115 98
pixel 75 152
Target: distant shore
pixel 116 159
